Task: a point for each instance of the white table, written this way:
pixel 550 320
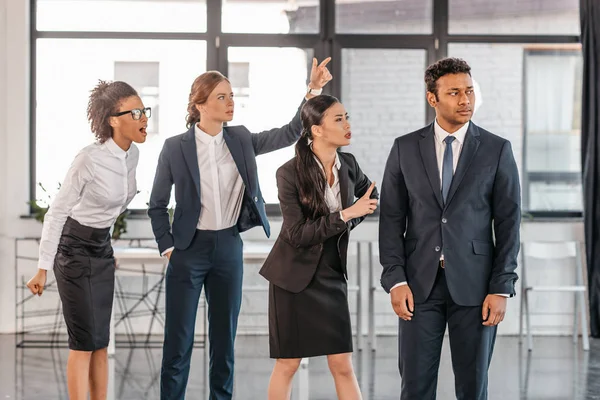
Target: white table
pixel 143 260
pixel 130 261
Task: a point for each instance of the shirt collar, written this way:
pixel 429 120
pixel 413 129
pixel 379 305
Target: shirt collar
pixel 459 135
pixel 337 163
pixel 205 138
pixel 116 150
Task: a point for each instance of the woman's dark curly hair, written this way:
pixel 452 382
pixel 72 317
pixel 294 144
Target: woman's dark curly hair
pixel 104 101
pixel 443 67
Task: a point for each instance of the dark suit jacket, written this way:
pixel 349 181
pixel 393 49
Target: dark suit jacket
pixel 293 261
pixel 178 164
pixel 478 227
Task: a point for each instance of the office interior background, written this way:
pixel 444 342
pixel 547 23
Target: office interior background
pixel 528 68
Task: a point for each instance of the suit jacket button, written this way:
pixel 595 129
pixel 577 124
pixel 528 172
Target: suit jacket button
pixel 256 199
pixel 444 220
pixel 437 248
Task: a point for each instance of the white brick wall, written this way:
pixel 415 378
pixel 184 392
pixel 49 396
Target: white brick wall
pixel 384 93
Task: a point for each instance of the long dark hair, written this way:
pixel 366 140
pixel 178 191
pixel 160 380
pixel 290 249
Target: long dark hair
pixel 311 178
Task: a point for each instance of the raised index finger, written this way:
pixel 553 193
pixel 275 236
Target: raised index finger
pixel 369 190
pixel 325 62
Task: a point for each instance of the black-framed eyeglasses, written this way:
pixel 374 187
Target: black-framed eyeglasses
pixel 136 113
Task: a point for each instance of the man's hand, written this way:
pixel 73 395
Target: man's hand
pixel 494 308
pixel 402 302
pixel 168 255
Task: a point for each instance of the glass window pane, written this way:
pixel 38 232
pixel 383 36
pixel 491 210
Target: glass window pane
pixel 259 16
pixel 384 94
pixel 387 16
pixel 500 72
pixel 122 15
pixel 67 69
pixel 553 83
pixel 269 85
pixel 541 17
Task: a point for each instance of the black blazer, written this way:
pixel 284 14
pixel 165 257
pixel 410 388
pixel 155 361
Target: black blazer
pixel 477 228
pixel 293 260
pixel 178 164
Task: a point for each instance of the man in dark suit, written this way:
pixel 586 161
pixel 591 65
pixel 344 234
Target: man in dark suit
pixel 449 238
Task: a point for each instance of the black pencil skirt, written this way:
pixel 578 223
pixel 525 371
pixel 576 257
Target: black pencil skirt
pixel 84 268
pixel 316 321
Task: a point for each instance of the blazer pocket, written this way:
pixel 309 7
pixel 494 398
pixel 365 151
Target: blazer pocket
pixel 482 248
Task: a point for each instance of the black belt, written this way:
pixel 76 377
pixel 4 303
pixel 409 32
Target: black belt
pixel 442 264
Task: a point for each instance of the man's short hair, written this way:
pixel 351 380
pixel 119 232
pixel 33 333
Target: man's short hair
pixel 443 67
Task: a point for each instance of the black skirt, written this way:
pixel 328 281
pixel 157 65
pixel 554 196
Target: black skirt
pixel 316 321
pixel 84 268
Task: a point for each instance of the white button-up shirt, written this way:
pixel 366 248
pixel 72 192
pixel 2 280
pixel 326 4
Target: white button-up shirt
pixel 97 188
pixel 332 193
pixel 221 185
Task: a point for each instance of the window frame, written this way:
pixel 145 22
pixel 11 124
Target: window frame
pixel 324 43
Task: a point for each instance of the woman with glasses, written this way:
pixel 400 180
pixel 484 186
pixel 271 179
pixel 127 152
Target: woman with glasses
pixel 76 233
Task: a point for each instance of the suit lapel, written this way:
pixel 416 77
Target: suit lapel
pixel 467 154
pixel 427 148
pixel 346 195
pixel 235 148
pixel 188 148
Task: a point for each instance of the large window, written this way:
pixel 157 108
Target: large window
pixel 527 74
pixel 67 69
pixel 523 17
pixel 121 15
pixel 272 84
pixel 552 125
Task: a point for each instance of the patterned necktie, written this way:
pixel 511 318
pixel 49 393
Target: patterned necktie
pixel 447 167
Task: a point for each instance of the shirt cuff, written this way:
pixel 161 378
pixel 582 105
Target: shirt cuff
pixel 501 294
pixel 42 264
pixel 342 217
pixel 398 284
pixel 164 253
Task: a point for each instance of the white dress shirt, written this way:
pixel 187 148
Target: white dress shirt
pixel 440 149
pixel 98 187
pixel 221 185
pixel 332 193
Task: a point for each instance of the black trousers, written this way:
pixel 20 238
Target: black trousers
pixel 420 345
pixel 213 261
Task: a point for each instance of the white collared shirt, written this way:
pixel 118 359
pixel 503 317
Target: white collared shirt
pixel 98 187
pixel 440 146
pixel 332 193
pixel 221 185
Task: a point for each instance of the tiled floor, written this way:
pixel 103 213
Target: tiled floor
pixel 556 369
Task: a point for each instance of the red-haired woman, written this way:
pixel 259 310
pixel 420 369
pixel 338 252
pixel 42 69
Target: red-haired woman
pixel 218 196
